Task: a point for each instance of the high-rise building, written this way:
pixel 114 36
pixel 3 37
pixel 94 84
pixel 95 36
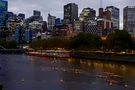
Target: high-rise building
pixel 12 21
pixel 129 18
pixel 51 22
pixel 3 13
pixel 87 13
pixel 84 15
pixel 104 22
pixel 36 13
pixel 70 13
pixel 115 18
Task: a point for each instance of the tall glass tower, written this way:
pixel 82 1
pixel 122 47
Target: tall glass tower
pixel 3 13
pixel 70 13
pixel 129 18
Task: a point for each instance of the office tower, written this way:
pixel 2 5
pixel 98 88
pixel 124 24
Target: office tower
pixel 115 18
pixel 87 13
pixel 51 21
pixel 70 13
pixel 129 18
pixel 36 13
pixel 3 13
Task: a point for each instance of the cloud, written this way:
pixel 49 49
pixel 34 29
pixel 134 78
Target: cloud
pixel 55 7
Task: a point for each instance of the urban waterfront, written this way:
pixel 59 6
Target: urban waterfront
pixel 21 72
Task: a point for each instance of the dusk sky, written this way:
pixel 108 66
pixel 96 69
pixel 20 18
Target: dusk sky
pixel 55 7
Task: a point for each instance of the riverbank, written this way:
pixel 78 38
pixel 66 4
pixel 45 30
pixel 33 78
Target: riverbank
pixel 50 53
pixel 115 57
pixel 94 55
pixel 12 51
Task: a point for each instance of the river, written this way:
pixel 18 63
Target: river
pixel 21 72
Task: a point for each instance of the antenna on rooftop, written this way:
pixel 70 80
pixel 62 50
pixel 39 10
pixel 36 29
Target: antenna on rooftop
pixel 100 3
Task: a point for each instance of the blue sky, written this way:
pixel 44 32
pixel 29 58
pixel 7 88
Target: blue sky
pixel 55 7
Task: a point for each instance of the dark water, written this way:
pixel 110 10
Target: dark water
pixel 20 72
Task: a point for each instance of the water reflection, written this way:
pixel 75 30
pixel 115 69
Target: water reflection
pixel 122 69
pixel 33 73
pixel 113 73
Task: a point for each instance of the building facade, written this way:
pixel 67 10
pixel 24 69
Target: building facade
pixel 3 13
pixel 115 16
pixel 28 36
pixel 87 13
pixel 70 13
pixel 90 26
pixel 129 20
pixel 63 31
pixel 51 22
pixel 104 22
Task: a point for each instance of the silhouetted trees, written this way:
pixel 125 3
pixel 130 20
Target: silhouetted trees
pixel 81 41
pixel 119 41
pixel 86 41
pixel 8 44
pixel 52 43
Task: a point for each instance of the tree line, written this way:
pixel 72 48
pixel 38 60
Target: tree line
pixel 119 41
pixel 8 44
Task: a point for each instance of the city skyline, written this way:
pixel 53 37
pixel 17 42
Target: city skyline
pixel 56 7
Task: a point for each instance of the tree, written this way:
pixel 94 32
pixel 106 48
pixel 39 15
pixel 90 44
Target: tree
pixel 86 41
pixel 52 43
pixel 119 41
pixel 8 44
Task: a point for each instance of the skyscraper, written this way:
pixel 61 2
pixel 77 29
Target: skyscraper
pixel 129 18
pixel 51 22
pixel 3 13
pixel 114 16
pixel 70 13
pixel 87 13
